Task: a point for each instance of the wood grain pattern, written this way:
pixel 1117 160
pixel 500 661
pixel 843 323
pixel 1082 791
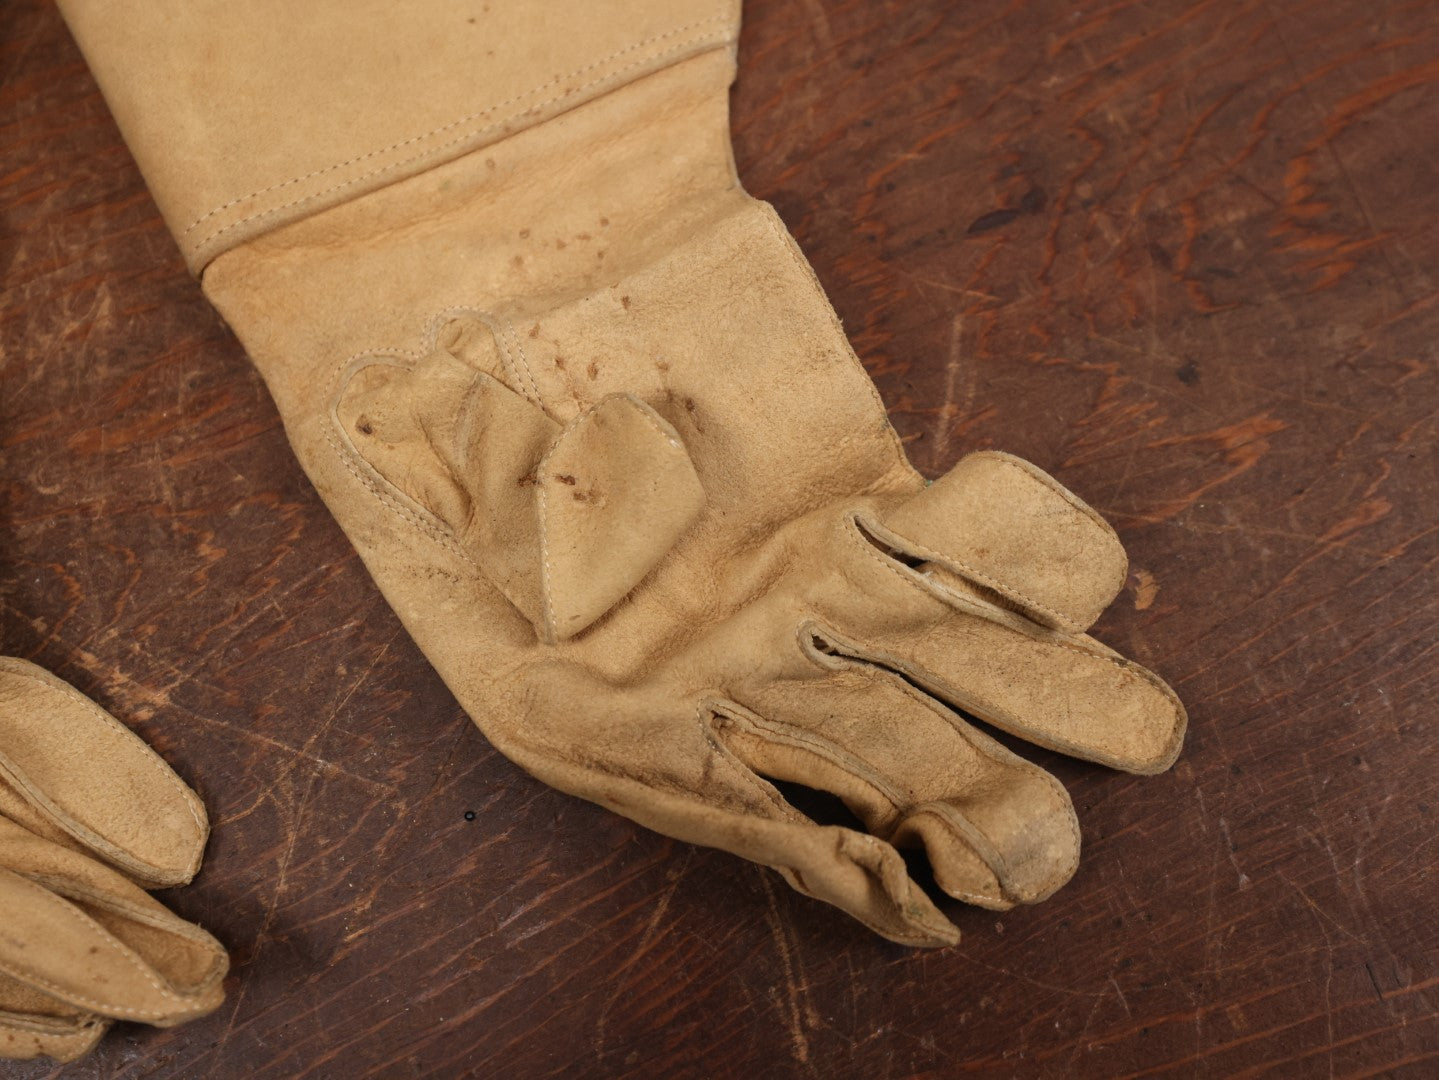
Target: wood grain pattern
pixel 1182 253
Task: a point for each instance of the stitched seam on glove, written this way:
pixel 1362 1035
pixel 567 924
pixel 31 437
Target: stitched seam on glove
pixel 519 350
pixel 194 248
pixel 168 922
pixel 392 498
pixel 772 219
pixel 712 706
pixel 789 734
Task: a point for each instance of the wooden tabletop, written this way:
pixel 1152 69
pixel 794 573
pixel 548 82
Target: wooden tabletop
pixel 1182 253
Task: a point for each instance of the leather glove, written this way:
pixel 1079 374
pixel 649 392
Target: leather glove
pixel 588 418
pixel 90 817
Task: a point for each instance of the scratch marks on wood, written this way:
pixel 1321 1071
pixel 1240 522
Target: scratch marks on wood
pixel 959 387
pixel 794 1005
pixel 1146 588
pixel 1242 880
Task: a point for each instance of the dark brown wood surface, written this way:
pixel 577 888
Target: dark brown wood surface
pixel 1181 253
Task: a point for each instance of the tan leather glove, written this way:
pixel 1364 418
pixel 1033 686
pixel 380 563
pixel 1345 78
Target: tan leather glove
pixel 90 817
pixel 584 411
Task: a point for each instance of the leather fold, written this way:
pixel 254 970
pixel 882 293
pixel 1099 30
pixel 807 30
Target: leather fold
pixel 565 521
pixel 33 1029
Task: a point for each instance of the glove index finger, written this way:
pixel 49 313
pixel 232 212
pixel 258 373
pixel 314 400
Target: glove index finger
pixel 1010 528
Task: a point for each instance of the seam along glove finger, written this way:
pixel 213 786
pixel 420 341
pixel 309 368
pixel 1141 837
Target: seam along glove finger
pixel 589 420
pixel 89 818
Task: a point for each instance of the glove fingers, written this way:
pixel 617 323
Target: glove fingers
pixel 34 1024
pixel 83 933
pixel 667 767
pixel 1060 690
pixel 73 773
pixel 1074 696
pixel 998 829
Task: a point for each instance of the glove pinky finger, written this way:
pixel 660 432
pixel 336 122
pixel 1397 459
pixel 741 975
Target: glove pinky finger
pixel 724 804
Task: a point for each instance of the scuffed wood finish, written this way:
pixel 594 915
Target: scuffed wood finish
pixel 1181 253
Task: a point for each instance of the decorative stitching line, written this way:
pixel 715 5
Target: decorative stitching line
pixel 519 348
pixel 446 127
pixel 542 521
pixel 498 325
pixel 434 151
pixel 514 376
pixel 395 506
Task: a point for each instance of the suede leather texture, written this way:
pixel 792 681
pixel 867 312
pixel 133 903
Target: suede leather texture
pixel 593 427
pixel 90 817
